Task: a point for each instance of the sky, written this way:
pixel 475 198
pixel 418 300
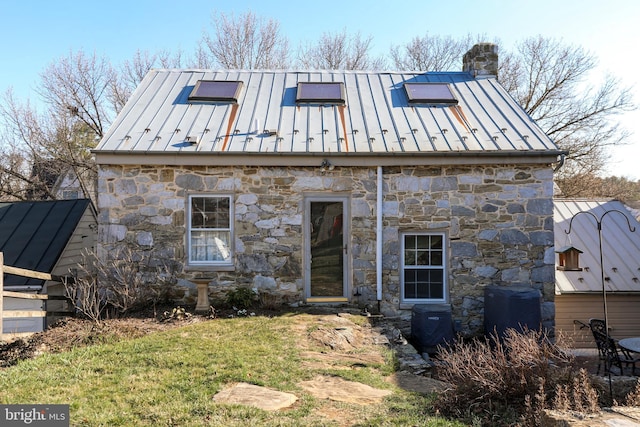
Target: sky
pixel 35 33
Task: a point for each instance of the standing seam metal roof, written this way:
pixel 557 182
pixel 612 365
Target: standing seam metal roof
pixel 377 118
pixel 33 234
pixel 620 246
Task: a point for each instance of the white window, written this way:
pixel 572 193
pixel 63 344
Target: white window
pixel 210 220
pixel 70 194
pixel 423 269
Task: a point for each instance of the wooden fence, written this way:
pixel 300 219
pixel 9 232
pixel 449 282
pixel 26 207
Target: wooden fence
pixel 42 313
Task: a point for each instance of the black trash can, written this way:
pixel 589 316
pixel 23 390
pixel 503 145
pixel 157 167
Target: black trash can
pixel 431 325
pixel 516 307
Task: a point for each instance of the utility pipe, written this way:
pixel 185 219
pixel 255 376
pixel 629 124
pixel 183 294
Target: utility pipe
pixel 379 236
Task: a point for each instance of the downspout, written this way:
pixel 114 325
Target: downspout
pixel 560 162
pixel 379 237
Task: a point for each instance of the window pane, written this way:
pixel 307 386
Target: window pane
pixel 436 242
pixel 210 212
pixel 210 246
pixel 423 284
pixel 422 258
pixel 331 92
pixel 437 93
pixel 422 242
pixel 436 258
pixel 410 284
pixel 410 242
pixel 197 212
pixel 436 291
pixel 216 90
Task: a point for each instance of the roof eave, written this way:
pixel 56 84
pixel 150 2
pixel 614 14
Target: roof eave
pixel 337 159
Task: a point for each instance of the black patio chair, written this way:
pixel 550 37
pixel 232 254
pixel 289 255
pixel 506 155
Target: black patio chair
pixel 598 330
pixel 610 354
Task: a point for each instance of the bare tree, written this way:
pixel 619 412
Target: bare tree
pixel 80 84
pixel 41 148
pixel 430 53
pixel 339 51
pixel 550 81
pixel 591 185
pixel 22 161
pixel 19 180
pixel 82 94
pixel 245 42
pixel 131 73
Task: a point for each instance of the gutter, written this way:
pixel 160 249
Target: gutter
pixel 338 159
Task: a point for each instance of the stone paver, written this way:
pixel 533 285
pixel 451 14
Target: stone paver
pixel 253 395
pixel 627 416
pixel 340 390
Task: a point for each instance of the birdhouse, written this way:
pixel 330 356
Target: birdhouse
pixel 569 259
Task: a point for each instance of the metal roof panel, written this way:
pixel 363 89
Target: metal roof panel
pixel 33 234
pixel 620 246
pixel 377 117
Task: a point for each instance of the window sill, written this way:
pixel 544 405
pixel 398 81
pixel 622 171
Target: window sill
pixel 409 305
pixel 189 267
pixel 312 300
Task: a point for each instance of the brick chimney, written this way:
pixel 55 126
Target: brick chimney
pixel 481 60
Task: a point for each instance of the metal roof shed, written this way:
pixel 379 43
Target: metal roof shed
pixel 579 294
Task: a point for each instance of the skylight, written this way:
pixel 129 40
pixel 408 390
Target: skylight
pixel 429 93
pixel 325 92
pixel 216 91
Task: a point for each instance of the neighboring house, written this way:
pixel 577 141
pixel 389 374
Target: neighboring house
pixel 579 294
pixel 68 187
pixel 60 182
pixel 378 189
pixel 43 236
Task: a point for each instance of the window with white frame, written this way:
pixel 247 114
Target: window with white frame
pixel 210 220
pixel 423 268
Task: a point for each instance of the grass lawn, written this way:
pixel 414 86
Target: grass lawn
pixel 168 378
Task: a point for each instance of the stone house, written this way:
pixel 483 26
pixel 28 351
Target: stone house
pixel 376 189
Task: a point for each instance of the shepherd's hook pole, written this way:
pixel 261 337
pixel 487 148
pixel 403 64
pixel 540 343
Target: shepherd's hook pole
pixel 602 277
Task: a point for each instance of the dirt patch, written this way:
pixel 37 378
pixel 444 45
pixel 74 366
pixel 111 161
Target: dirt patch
pixel 318 360
pixel 417 383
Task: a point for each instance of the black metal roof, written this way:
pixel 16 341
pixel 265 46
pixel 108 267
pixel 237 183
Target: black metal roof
pixel 33 234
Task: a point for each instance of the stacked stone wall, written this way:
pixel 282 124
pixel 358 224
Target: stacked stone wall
pixel 498 221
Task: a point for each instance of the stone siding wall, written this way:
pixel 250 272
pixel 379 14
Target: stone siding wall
pixel 498 220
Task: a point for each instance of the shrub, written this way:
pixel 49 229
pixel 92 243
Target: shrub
pixel 269 301
pixel 241 298
pixel 125 281
pixel 633 398
pixel 511 381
